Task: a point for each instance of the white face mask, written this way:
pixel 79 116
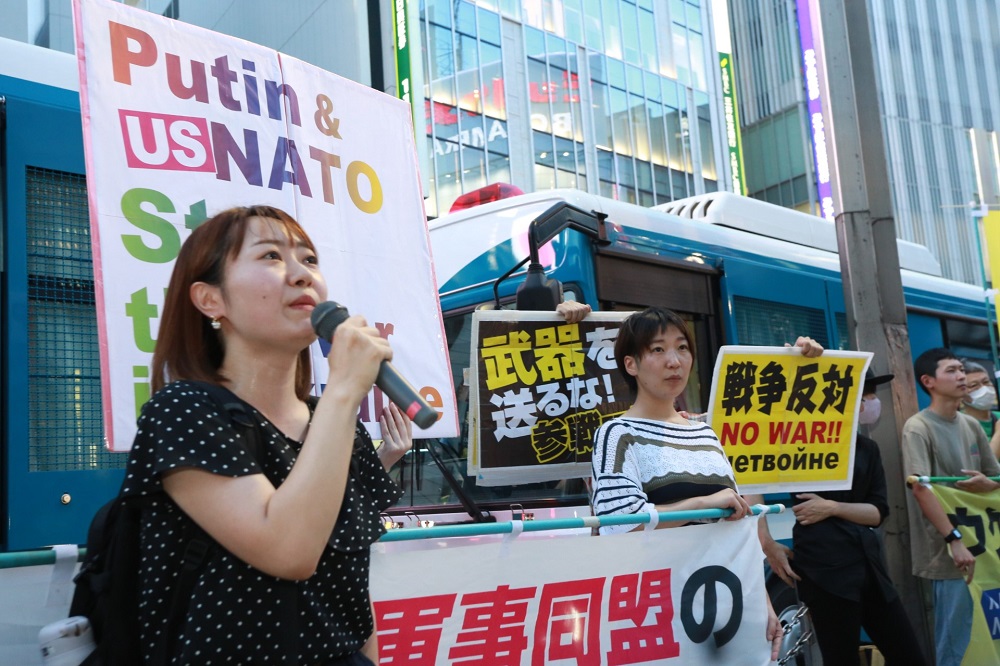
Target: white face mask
pixel 872 410
pixel 983 398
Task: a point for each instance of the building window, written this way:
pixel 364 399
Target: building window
pixel 638 90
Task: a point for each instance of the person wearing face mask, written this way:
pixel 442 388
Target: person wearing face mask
pixel 838 563
pixel 981 402
pixel 941 441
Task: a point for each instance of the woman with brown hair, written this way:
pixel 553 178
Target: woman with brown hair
pixel 291 521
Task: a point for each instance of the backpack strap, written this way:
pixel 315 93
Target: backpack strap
pixel 199 545
pixel 229 403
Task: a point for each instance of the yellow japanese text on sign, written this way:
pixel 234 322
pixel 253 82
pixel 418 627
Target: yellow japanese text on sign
pixel 991 231
pixel 787 422
pixel 539 389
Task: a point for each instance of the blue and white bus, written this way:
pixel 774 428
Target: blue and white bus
pixel 739 270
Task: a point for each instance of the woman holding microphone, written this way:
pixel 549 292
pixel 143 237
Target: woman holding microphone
pixel 286 580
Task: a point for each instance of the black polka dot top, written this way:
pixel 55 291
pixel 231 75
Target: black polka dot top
pixel 237 614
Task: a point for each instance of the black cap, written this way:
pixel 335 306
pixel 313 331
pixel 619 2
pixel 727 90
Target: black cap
pixel 872 380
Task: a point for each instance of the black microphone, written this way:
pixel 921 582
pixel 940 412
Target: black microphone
pixel 326 317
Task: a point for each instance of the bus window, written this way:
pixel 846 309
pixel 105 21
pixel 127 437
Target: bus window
pixel 760 322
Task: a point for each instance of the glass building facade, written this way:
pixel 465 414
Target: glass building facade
pixel 936 66
pixel 773 116
pixel 940 106
pixel 617 97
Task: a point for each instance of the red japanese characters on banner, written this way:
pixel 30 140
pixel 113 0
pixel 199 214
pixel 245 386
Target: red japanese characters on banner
pixel 632 598
pixel 687 595
pixel 412 627
pixel 496 627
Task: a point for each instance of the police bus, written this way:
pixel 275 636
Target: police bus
pixel 740 271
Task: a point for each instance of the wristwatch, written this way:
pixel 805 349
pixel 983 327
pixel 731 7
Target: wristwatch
pixel 954 535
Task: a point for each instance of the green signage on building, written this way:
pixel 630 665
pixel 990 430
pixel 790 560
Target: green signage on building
pixel 401 42
pixel 732 118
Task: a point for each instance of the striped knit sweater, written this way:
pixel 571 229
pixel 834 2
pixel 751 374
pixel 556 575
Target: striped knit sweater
pixel 635 458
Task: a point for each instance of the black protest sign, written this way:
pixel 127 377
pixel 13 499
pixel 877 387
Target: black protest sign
pixel 543 388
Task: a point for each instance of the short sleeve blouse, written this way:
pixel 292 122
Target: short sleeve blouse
pixel 238 614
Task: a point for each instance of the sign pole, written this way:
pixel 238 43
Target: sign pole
pixel 861 200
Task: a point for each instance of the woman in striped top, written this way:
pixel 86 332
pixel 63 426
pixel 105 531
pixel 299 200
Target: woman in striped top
pixel 652 454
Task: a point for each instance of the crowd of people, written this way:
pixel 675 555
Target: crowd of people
pixel 291 519
pixel 655 456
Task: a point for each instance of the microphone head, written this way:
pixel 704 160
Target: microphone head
pixel 326 317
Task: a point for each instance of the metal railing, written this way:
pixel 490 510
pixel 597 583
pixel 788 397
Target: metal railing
pixel 30 558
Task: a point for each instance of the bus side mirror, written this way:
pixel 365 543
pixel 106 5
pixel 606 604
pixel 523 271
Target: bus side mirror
pixel 538 291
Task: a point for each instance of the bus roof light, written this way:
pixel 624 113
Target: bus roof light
pixel 494 192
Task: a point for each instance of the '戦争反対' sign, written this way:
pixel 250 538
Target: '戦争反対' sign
pixel 787 422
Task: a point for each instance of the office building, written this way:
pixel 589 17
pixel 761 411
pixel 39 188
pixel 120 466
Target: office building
pixel 615 97
pixel 619 97
pixel 940 112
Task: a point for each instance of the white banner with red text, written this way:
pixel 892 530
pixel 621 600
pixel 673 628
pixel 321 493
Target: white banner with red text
pixel 181 123
pixel 687 595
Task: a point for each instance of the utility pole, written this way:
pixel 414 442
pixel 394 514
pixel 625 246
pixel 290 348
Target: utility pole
pixel 869 259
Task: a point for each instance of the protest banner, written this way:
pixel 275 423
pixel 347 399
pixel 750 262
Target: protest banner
pixel 786 422
pixel 181 123
pixel 688 595
pixel 977 516
pixel 539 389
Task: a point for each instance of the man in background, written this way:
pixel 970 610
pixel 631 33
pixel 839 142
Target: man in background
pixel 942 441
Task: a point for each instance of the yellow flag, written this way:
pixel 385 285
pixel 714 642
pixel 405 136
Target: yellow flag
pixel 977 518
pixel 991 230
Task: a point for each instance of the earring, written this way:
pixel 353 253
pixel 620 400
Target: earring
pixel 216 324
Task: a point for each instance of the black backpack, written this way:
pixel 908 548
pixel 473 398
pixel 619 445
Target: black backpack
pixel 107 586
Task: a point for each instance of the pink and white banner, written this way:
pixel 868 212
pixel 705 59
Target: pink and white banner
pixel 181 123
pixel 688 595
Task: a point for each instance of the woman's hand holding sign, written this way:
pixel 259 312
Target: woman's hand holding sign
pixel 809 347
pixel 573 311
pixel 397 435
